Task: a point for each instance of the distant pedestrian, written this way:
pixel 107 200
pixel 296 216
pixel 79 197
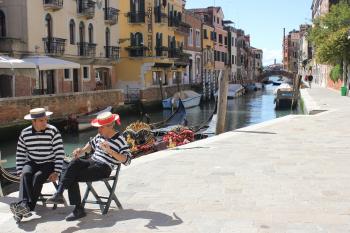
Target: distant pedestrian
pixel 309 79
pixel 39 157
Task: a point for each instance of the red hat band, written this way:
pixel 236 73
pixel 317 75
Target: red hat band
pixel 106 121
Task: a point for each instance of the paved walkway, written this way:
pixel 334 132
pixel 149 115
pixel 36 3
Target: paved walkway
pixel 288 175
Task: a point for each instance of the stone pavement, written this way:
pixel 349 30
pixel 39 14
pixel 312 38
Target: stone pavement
pixel 289 175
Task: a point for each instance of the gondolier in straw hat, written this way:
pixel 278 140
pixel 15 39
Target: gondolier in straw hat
pixel 109 149
pixel 39 157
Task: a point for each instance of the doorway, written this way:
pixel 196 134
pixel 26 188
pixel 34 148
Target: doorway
pixel 5 86
pixel 75 80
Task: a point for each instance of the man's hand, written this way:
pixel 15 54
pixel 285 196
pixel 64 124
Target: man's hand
pixel 105 146
pixel 53 176
pixel 77 152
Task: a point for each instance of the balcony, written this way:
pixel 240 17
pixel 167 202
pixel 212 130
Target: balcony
pixel 182 27
pixel 86 49
pixel 136 17
pixel 178 54
pixel 137 51
pixel 112 52
pixel 111 15
pixel 161 51
pixel 54 45
pixel 86 8
pixel 53 5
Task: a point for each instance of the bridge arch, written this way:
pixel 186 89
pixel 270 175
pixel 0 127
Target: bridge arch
pixel 264 76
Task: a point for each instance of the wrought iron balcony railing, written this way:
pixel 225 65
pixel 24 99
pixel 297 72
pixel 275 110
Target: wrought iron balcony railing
pixel 86 49
pixel 182 27
pixel 136 17
pixel 161 51
pixel 112 52
pixel 54 45
pixel 111 15
pixel 53 4
pixel 137 50
pixel 86 8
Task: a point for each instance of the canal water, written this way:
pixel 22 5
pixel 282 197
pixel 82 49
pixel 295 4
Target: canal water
pixel 252 108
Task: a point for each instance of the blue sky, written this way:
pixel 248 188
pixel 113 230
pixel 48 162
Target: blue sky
pixel 264 20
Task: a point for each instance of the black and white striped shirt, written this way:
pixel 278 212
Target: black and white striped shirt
pixel 40 147
pixel 117 143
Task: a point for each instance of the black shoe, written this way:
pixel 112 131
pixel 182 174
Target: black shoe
pixel 76 214
pixel 20 210
pixel 55 199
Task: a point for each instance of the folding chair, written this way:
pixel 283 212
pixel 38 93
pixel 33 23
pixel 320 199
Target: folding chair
pixel 104 205
pixel 43 197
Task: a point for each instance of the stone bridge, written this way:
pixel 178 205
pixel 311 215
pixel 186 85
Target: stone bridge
pixel 275 72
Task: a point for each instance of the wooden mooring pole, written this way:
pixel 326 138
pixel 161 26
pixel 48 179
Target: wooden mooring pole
pixel 222 102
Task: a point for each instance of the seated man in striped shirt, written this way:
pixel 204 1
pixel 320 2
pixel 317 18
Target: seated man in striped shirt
pixel 109 148
pixel 39 157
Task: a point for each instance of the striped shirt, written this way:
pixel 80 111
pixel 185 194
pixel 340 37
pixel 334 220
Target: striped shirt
pixel 40 147
pixel 117 143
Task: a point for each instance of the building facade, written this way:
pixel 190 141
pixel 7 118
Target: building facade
pixel 82 31
pixel 291 49
pixel 152 45
pixel 193 47
pixel 232 53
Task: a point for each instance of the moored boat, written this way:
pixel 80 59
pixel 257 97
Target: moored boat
pixel 189 99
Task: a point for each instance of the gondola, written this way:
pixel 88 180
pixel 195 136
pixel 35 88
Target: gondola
pixel 177 118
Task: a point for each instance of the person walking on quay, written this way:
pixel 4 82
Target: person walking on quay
pixel 309 79
pixel 39 157
pixel 109 149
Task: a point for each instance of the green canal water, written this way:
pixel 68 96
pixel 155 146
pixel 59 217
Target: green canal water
pixel 252 108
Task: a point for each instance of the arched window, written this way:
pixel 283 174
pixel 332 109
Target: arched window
pixel 48 25
pixel 91 33
pixel 72 31
pixel 81 32
pixel 2 24
pixel 138 39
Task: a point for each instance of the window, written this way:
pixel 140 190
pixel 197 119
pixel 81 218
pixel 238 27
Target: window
pixel 81 32
pixel 72 31
pixel 198 38
pixel 190 37
pixel 220 38
pixel 66 73
pixel 205 33
pixel 226 41
pixel 2 24
pixel 86 74
pixel 48 25
pixel 91 33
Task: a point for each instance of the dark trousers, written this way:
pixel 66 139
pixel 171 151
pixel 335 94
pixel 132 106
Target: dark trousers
pixel 32 179
pixel 82 170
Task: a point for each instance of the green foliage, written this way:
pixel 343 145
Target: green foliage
pixel 336 73
pixel 329 35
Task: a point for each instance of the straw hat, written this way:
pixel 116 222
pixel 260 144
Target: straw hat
pixel 105 118
pixel 36 113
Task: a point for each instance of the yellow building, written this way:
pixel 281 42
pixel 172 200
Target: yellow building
pixel 208 58
pixel 151 40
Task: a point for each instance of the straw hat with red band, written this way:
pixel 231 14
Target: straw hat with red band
pixel 105 118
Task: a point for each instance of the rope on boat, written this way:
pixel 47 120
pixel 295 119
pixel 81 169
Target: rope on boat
pixel 8 176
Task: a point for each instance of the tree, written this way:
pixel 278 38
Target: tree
pixel 329 36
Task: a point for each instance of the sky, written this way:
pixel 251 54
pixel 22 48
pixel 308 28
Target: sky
pixel 263 20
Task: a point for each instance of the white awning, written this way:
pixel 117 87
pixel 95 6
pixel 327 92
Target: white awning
pixel 13 63
pixel 49 63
